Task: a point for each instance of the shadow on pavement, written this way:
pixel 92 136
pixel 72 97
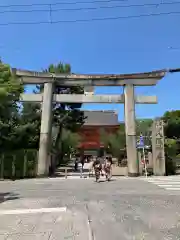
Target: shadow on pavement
pixel 112 180
pixel 105 181
pixel 8 196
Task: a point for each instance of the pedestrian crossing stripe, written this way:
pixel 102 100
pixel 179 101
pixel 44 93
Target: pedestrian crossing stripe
pixel 171 183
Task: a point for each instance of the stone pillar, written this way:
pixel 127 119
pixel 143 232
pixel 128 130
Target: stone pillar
pixel 158 148
pixel 130 126
pixel 45 132
pixel 150 159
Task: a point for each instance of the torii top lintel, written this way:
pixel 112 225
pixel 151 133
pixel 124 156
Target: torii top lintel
pixel 138 79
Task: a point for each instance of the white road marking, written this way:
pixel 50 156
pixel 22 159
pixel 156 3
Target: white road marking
pixel 32 211
pixel 171 183
pixel 165 182
pixel 173 189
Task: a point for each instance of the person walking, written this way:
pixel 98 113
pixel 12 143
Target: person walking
pixel 76 164
pixel 108 168
pixel 97 169
pixel 82 166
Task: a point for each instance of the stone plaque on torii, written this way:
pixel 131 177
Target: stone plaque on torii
pixel 128 81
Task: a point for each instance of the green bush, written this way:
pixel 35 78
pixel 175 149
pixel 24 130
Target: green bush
pixel 18 164
pixel 7 163
pixel 170 166
pixel 31 163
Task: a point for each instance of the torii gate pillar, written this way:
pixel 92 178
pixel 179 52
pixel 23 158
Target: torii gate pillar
pixel 130 126
pixel 45 132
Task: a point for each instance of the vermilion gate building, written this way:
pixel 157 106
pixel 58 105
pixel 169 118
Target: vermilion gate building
pixel 90 132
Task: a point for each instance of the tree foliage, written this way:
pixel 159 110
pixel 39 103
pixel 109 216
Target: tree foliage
pixel 172 124
pixel 172 139
pixel 70 142
pixel 114 143
pixel 20 123
pixel 143 126
pixel 171 147
pixel 65 116
pixel 74 117
pixel 10 90
pixel 31 121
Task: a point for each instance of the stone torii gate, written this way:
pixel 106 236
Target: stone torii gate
pixel 128 81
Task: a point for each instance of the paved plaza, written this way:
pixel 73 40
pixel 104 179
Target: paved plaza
pixel 80 209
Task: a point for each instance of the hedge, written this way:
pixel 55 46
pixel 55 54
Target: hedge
pixel 18 164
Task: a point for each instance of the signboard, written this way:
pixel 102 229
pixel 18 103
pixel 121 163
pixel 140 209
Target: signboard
pixel 140 143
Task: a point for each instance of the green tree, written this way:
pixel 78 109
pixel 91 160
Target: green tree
pixel 31 120
pixel 172 124
pixel 172 138
pixel 20 123
pixel 171 147
pixel 66 116
pixel 70 143
pixel 115 143
pixel 144 128
pixel 10 90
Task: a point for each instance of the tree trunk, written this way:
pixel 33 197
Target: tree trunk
pixel 58 143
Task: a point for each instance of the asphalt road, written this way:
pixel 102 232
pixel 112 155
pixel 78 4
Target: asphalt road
pixel 80 209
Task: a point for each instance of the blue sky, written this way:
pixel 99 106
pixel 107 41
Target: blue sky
pixel 111 46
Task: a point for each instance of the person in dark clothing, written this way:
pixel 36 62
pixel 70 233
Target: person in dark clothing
pixel 108 167
pixel 97 168
pixel 76 165
pixel 82 166
pixel 82 162
pixel 109 159
pixel 97 162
